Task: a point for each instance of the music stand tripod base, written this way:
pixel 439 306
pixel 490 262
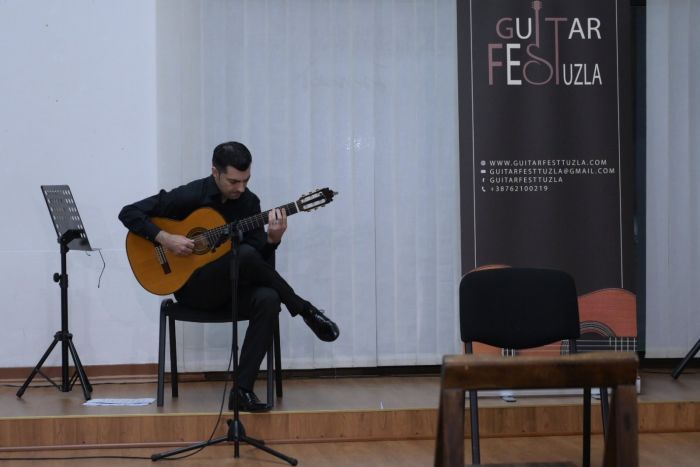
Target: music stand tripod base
pixel 71 235
pixel 681 366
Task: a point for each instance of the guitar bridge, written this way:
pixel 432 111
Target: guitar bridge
pixel 162 259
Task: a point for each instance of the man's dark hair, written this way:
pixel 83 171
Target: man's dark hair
pixel 232 153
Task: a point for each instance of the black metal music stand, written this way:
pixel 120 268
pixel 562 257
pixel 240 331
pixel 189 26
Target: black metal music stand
pixel 236 431
pixel 679 369
pixel 71 235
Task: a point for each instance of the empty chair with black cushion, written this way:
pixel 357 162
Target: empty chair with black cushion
pixel 516 309
pixel 171 311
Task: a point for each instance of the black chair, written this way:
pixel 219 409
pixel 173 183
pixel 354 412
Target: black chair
pixel 521 308
pixel 171 311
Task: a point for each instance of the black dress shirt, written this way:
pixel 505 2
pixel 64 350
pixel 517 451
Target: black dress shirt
pixel 180 202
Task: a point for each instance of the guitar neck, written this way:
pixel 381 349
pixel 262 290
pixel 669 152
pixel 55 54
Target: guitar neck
pixel 617 344
pixel 253 222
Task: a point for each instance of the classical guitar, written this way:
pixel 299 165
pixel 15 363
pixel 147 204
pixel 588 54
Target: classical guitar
pixel 162 273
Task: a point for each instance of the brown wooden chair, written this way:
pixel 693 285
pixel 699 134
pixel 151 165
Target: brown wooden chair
pixel 617 370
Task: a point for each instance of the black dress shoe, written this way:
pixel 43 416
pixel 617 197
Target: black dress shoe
pixel 320 324
pixel 247 402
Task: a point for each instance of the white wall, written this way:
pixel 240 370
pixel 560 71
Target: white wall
pixel 358 96
pixel 673 177
pixel 110 98
pixel 77 107
pixel 80 105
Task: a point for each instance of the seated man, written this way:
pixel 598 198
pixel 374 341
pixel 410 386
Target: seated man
pixel 261 288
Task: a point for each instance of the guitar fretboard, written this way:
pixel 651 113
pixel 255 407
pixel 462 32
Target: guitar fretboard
pixel 615 344
pixel 218 234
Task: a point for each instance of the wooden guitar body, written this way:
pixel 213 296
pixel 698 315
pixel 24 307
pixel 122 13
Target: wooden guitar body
pixel 160 271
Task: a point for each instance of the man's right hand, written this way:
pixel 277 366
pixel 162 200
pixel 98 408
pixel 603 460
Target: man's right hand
pixel 178 244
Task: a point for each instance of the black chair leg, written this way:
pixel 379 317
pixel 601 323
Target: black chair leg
pixel 161 358
pixel 474 413
pixel 586 427
pixel 278 359
pixel 604 410
pixel 173 357
pixel 270 378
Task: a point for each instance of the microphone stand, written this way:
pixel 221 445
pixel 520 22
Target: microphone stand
pixel 236 431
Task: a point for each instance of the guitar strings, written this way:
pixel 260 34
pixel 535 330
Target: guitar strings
pixel 628 344
pixel 210 235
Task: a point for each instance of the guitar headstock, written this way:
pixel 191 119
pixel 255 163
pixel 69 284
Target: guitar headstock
pixel 315 199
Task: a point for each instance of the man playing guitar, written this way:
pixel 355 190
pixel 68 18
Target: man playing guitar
pixel 261 288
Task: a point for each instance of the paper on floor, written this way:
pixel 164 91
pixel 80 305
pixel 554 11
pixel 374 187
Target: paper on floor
pixel 120 402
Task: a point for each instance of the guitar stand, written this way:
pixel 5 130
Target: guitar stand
pixel 236 431
pixel 71 233
pixel 681 366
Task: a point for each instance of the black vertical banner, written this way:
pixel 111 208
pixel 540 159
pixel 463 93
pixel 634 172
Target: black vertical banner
pixel 546 156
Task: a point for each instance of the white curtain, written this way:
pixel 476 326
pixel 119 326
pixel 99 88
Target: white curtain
pixel 359 96
pixel 673 176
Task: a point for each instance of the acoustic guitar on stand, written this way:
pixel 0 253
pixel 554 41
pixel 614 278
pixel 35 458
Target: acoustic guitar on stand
pixel 161 272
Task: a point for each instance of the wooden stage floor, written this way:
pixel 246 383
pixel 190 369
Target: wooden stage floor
pixel 312 410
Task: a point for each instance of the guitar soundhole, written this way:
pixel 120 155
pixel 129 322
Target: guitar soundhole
pixel 201 244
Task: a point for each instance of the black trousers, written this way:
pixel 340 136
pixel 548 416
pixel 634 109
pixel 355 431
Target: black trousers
pixel 261 290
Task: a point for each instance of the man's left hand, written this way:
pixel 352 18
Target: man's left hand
pixel 277 224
